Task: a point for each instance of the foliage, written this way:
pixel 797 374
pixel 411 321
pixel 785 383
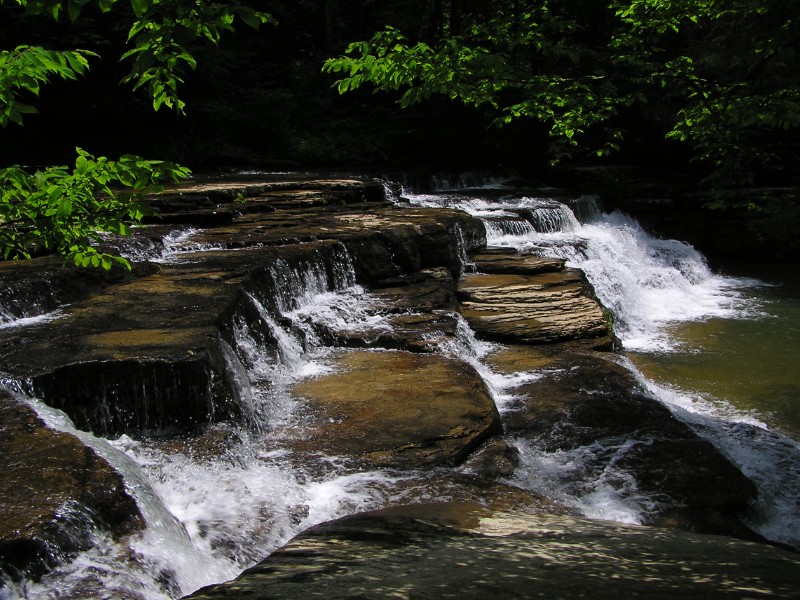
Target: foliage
pixel 528 64
pixel 160 35
pixel 65 211
pixel 722 77
pixel 26 68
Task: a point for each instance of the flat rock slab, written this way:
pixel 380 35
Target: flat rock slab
pixel 494 261
pixel 53 491
pixel 398 409
pixel 533 309
pixel 467 552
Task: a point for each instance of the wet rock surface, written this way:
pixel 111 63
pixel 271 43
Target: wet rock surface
pixel 54 493
pixel 153 354
pixel 519 303
pixel 588 405
pixel 467 551
pixel 401 410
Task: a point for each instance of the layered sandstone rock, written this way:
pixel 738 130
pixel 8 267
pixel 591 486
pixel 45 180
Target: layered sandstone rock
pixel 525 299
pixel 397 409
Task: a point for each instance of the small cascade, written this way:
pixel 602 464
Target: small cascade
pixel 465 262
pixel 768 458
pixel 646 282
pixel 296 285
pixel 218 502
pixel 548 216
pixel 444 182
pixel 650 285
pixel 414 184
pixel 586 208
pixel 500 227
pixel 588 479
pixel 26 302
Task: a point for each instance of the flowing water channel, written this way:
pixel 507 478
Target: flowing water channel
pixel 719 351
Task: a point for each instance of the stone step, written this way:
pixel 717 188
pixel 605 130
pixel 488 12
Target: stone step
pixel 534 309
pixel 54 492
pixel 469 552
pixel 397 409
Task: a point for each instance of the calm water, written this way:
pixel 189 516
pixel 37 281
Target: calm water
pixel 751 363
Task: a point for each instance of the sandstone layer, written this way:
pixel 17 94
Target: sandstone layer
pixel 397 409
pixel 153 354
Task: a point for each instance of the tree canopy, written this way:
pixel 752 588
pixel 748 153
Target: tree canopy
pixel 720 76
pixel 716 82
pixel 65 210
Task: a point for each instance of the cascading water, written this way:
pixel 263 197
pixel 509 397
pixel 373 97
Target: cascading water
pixel 650 285
pixel 216 504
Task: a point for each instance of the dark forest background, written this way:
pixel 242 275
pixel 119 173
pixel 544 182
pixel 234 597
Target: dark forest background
pixel 260 100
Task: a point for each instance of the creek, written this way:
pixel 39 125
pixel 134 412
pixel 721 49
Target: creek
pixel 720 351
pixel 716 350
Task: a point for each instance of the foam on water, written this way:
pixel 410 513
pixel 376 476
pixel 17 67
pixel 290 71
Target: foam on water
pixel 587 479
pixel 648 284
pixel 9 321
pixel 217 503
pixel 768 458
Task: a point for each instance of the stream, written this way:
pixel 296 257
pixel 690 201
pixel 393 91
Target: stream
pixel 717 350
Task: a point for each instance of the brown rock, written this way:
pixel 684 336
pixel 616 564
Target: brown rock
pixel 587 401
pixel 533 309
pixel 53 492
pixel 466 552
pixel 501 261
pixel 396 409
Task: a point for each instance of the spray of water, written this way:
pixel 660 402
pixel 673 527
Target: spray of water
pixel 648 284
pixel 217 503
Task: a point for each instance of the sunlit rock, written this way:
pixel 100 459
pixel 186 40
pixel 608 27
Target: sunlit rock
pixel 397 409
pixel 533 309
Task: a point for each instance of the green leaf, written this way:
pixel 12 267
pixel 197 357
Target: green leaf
pixel 140 7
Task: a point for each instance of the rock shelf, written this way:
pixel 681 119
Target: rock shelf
pixel 151 354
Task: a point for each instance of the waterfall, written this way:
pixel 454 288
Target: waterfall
pixel 768 458
pixel 217 503
pixel 649 284
pixel 467 180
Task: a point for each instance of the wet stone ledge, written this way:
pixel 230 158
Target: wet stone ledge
pixel 466 552
pixel 54 493
pixel 153 352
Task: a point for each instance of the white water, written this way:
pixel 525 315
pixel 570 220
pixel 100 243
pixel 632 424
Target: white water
pixel 218 504
pixel 649 284
pixel 768 458
pixel 210 513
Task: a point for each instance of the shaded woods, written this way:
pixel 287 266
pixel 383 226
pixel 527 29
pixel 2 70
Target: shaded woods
pixel 719 81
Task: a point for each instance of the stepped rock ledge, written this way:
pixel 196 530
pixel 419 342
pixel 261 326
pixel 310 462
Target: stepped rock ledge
pixel 151 354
